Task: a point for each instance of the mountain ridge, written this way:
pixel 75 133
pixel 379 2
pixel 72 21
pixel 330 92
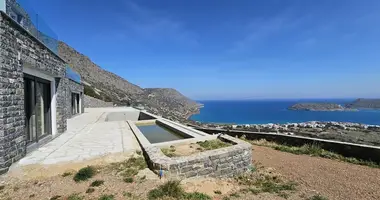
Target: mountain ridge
pixel 167 102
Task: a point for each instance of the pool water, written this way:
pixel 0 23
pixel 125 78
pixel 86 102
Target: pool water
pixel 157 134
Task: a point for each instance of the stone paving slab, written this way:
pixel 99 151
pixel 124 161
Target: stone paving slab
pixel 88 135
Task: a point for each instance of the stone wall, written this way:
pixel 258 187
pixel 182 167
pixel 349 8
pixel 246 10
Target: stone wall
pixel 91 102
pixel 224 162
pixel 73 87
pixel 359 151
pixel 17 47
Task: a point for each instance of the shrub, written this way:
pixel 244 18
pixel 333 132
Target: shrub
pixel 66 174
pixel 169 189
pixel 196 196
pixel 318 197
pixel 217 192
pixel 235 195
pixel 84 174
pixel 90 190
pixel 56 197
pixel 107 197
pixel 173 189
pixel 213 144
pixel 128 180
pixel 97 183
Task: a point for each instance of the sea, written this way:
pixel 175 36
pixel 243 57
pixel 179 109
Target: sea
pixel 275 111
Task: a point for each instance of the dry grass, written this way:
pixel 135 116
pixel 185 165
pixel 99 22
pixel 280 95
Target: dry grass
pixel 265 180
pixel 312 150
pixel 193 148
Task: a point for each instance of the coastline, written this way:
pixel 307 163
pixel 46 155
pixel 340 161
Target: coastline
pixel 198 111
pixel 266 112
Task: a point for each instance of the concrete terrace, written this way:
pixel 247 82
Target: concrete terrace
pixel 88 136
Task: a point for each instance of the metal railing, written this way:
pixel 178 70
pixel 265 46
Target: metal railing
pixel 22 12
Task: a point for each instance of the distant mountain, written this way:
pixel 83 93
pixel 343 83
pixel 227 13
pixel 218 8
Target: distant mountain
pixel 364 104
pixel 108 86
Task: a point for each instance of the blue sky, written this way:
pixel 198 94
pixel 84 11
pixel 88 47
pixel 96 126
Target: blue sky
pixel 229 49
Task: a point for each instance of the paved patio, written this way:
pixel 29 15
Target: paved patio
pixel 88 135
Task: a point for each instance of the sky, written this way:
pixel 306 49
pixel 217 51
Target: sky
pixel 219 49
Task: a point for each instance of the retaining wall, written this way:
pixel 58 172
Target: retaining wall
pixel 359 151
pixel 91 102
pixel 223 162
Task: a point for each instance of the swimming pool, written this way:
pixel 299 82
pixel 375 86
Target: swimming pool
pixel 156 133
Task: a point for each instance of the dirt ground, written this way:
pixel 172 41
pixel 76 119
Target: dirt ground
pixel 333 179
pixel 183 149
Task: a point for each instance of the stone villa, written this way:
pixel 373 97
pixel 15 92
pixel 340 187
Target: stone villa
pixel 38 90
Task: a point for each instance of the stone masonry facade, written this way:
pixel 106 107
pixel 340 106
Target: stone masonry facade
pixel 224 162
pixel 18 48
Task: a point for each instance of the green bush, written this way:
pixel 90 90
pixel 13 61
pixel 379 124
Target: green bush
pixel 56 197
pixel 128 180
pixel 97 183
pixel 173 189
pixel 84 174
pixel 196 196
pixel 213 144
pixel 107 197
pixel 90 190
pixel 318 197
pixel 169 189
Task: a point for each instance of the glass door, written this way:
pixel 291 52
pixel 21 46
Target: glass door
pixel 74 103
pixel 37 108
pixel 30 113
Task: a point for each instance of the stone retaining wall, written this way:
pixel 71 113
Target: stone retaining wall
pixel 91 102
pixel 223 162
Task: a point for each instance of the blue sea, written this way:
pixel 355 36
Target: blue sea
pixel 275 111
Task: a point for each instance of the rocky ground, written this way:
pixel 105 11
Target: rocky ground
pixel 341 131
pixel 275 175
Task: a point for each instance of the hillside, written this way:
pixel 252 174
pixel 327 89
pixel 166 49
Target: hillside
pixel 108 86
pixel 364 104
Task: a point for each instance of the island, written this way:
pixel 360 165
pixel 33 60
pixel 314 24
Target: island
pixel 317 107
pixel 364 104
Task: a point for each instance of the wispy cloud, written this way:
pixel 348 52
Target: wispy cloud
pixel 260 29
pixel 154 26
